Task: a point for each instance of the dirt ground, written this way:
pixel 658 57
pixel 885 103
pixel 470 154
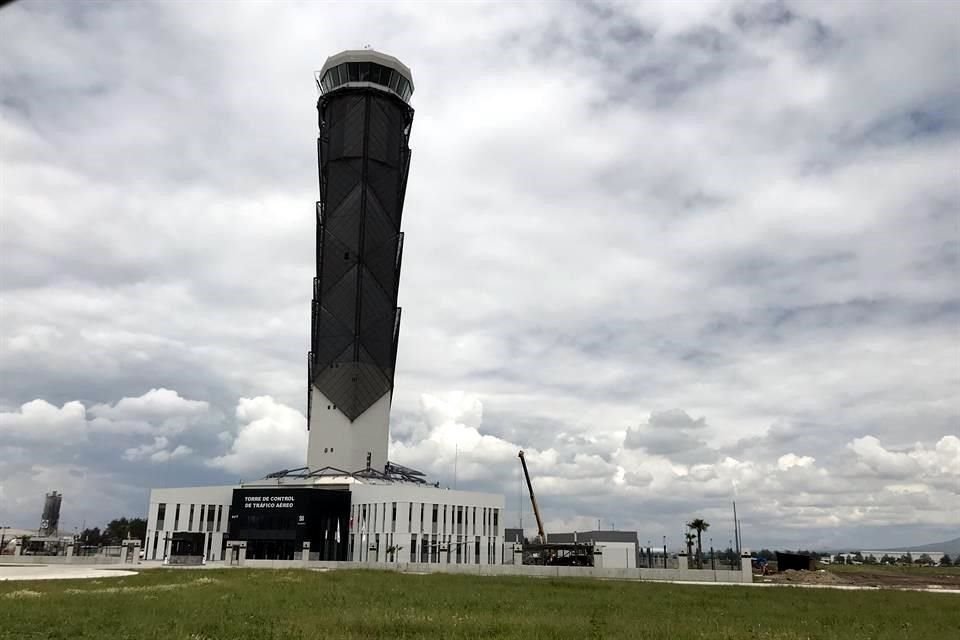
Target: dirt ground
pixel 866 576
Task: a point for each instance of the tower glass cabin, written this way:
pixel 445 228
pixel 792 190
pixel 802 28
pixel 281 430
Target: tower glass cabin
pixel 364 157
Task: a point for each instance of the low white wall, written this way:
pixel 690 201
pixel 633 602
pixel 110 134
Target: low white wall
pixel 79 560
pixel 674 575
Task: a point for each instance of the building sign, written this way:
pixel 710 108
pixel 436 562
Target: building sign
pixel 268 502
pixel 275 522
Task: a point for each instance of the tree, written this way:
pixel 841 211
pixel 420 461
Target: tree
pixel 690 539
pixel 839 559
pixel 870 559
pixel 91 537
pixel 945 560
pixel 925 559
pixel 767 555
pixel 123 529
pixel 699 525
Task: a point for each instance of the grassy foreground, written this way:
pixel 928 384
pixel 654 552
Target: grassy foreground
pixel 263 605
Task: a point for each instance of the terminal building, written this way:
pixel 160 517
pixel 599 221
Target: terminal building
pixel 348 502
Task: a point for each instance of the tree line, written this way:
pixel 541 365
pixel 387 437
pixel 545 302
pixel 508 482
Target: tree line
pixel 114 532
pixel 858 558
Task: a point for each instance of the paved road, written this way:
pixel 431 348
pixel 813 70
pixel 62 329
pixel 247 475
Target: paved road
pixel 55 572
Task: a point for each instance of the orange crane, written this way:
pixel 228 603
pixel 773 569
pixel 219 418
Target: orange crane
pixel 541 536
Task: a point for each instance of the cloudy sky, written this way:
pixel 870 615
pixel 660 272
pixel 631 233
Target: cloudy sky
pixel 678 252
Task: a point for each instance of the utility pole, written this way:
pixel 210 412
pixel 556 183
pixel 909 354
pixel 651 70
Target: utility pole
pixel 736 528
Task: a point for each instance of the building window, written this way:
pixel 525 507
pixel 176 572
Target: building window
pixel 393 518
pixel 156 540
pixel 434 519
pixel 413 548
pixel 203 509
pixel 190 520
pixel 161 515
pixel 410 516
pixel 496 522
pixel 210 517
pixel 176 518
pixel 219 515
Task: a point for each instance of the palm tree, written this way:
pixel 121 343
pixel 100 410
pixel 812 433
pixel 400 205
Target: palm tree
pixel 690 540
pixel 699 525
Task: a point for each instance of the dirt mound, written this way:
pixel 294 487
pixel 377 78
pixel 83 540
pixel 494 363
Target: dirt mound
pixel 792 576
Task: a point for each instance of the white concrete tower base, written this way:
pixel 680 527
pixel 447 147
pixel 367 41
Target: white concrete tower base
pixel 334 441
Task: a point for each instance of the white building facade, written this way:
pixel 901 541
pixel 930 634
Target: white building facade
pixel 389 522
pixel 392 523
pixel 190 510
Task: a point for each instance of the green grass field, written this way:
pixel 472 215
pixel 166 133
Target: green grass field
pixel 263 605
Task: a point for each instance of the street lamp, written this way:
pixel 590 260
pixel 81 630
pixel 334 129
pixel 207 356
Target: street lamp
pixel 664 552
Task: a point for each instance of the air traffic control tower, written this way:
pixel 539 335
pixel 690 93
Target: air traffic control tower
pixel 364 157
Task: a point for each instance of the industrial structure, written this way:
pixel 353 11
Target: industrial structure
pixel 349 502
pixel 50 518
pixel 553 552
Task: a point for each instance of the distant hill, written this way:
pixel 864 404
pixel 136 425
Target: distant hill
pixel 950 546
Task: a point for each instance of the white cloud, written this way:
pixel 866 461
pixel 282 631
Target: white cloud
pixel 874 457
pixel 789 460
pixel 157 451
pixel 161 403
pixel 178 452
pixel 38 421
pixel 155 412
pixel 271 437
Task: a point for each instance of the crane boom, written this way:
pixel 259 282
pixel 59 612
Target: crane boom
pixel 533 499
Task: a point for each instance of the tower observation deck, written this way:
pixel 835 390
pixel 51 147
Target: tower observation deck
pixel 364 157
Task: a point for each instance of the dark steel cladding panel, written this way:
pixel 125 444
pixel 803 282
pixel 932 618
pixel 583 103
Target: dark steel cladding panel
pixel 363 154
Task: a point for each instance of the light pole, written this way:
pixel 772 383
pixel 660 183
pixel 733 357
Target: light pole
pixel 664 552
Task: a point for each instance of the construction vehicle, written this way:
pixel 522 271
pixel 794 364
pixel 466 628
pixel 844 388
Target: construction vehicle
pixel 541 536
pixel 544 553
